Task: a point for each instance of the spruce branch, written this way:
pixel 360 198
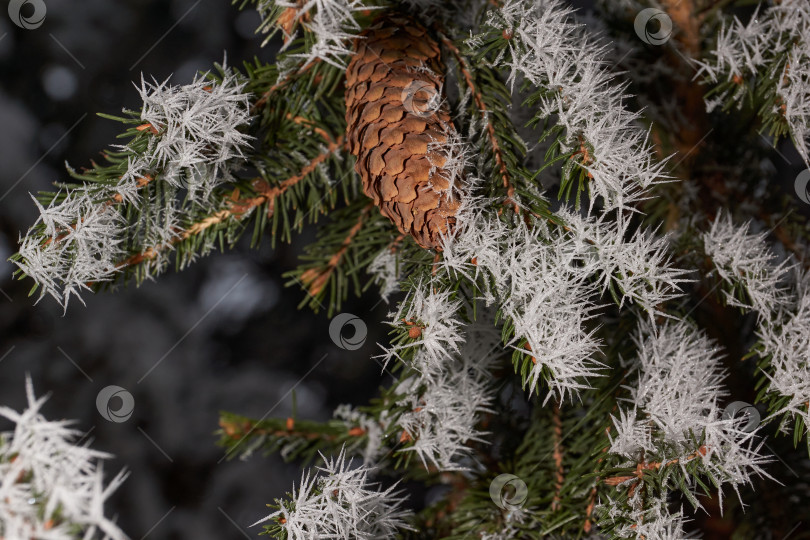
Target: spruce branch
pixel 673 431
pixel 292 438
pixel 557 292
pixel 484 112
pixel 328 25
pixel 334 262
pixel 763 64
pixel 551 52
pixel 316 278
pixel 192 143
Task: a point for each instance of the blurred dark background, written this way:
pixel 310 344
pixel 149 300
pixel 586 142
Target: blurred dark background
pixel 224 334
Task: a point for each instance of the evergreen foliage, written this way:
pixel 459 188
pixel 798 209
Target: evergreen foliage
pixel 577 326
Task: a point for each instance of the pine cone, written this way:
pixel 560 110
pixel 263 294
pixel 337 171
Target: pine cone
pixel 393 114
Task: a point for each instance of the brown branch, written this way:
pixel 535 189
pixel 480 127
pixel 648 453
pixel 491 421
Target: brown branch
pixel 316 278
pixel 307 122
pixel 394 246
pixel 482 107
pixel 654 465
pixel 237 430
pixel 238 207
pixel 266 95
pixel 586 156
pixel 589 510
pixel 271 192
pixel 558 457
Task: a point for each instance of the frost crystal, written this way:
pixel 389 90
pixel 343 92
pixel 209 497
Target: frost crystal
pixel 443 410
pixel 637 265
pixel 451 384
pixel 385 269
pixel 675 403
pixel 77 240
pixel 73 243
pixel 436 314
pixel 744 259
pixel 543 294
pixel 646 519
pixel 786 343
pixel 332 23
pixel 49 486
pixel 197 129
pixel 775 44
pixel 340 504
pixel 553 52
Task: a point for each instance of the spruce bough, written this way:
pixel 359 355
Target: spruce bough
pixel 550 204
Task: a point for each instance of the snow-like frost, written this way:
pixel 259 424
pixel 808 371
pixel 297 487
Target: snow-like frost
pixel 50 487
pixel 341 503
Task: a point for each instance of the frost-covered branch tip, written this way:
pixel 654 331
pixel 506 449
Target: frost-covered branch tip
pixel 742 259
pixel 73 243
pixel 553 52
pixel 773 46
pixel 340 503
pixel 444 408
pixel 673 416
pixel 786 342
pixel 451 384
pixel 194 141
pixel 49 486
pixel 331 22
pixel 197 130
pixel 541 288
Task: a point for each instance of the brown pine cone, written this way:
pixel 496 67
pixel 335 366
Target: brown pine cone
pixel 393 114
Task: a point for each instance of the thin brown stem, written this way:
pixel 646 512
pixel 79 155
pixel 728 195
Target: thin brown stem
pixel 316 278
pixel 558 457
pixel 237 430
pixel 482 108
pixel 238 207
pixel 269 92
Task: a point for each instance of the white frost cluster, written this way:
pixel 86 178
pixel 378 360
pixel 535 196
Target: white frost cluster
pixel 742 49
pixel 332 22
pixel 436 313
pixel 443 411
pixel 543 279
pixel 551 51
pixel 78 244
pixel 51 488
pixel 637 264
pixel 743 259
pixel 780 293
pixel 198 131
pixel 775 43
pixel 385 270
pixel 787 344
pixel 341 504
pixel 794 87
pixel 451 387
pixel 646 519
pixel 676 398
pixel 538 288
